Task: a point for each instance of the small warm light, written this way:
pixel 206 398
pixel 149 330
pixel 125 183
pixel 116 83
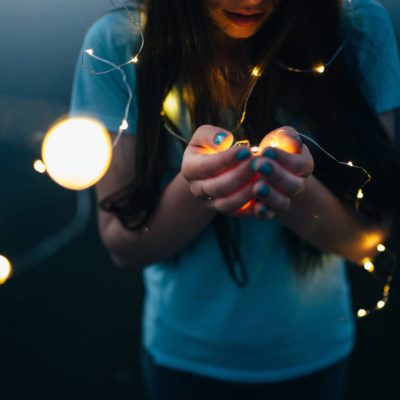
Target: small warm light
pixel 135 59
pixel 89 51
pixel 124 125
pixel 368 265
pixel 5 269
pixel 361 313
pixel 38 166
pixel 171 105
pixel 254 149
pixel 247 206
pixel 350 163
pixel 380 304
pixel 280 139
pixel 360 194
pixel 386 290
pixel 381 248
pixel 256 71
pixel 77 152
pixel 320 68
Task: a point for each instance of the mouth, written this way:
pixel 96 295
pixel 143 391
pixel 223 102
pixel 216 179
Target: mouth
pixel 241 19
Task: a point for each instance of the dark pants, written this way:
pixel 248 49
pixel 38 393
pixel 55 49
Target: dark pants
pixel 168 384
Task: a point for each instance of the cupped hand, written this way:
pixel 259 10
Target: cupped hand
pixel 218 173
pixel 282 176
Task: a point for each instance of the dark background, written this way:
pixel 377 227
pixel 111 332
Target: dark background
pixel 70 324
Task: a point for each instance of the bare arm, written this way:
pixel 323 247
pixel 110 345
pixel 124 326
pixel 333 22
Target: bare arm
pixel 315 213
pixel 180 215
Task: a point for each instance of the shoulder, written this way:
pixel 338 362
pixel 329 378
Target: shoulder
pixel 114 31
pixel 367 16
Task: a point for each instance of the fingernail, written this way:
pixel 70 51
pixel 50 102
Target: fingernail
pixel 220 137
pixel 253 164
pixel 265 169
pixel 263 191
pixel 263 210
pixel 243 154
pixel 269 153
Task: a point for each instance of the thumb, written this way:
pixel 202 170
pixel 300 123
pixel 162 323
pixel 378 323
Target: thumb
pixel 211 139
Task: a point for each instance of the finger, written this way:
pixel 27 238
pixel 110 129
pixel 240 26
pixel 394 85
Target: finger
pixel 209 139
pixel 270 197
pixel 285 138
pixel 232 204
pixel 261 211
pixel 274 175
pixel 301 164
pixel 197 165
pixel 229 182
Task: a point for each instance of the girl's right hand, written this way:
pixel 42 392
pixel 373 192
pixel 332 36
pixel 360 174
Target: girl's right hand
pixel 218 173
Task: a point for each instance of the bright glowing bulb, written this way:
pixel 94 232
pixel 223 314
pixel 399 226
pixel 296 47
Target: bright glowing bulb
pixel 89 51
pixel 280 139
pixel 5 269
pixel 350 163
pixel 39 166
pixel 360 194
pixel 368 265
pixel 361 313
pixel 171 106
pixel 254 149
pixel 124 125
pixel 381 304
pixel 320 68
pixel 77 152
pixel 135 59
pixel 381 248
pixel 256 72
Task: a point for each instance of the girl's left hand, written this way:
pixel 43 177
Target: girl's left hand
pixel 282 176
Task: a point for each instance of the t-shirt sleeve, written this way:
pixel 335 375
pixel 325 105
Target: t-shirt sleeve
pixel 100 94
pixel 377 53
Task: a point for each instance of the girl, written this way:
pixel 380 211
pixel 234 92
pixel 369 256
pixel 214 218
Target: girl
pixel 244 255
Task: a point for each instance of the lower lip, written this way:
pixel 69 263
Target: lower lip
pixel 244 20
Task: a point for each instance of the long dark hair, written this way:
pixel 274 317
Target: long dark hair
pixel 178 43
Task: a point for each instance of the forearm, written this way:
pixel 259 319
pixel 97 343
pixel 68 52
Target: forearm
pixel 321 219
pixel 178 219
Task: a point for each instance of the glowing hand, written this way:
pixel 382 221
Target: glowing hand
pixel 218 173
pixel 282 174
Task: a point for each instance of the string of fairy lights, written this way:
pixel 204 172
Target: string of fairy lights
pixel 368 264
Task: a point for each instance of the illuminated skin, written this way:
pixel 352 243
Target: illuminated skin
pixel 239 19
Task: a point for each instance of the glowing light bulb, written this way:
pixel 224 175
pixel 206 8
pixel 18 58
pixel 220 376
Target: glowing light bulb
pixel 124 125
pixel 350 163
pixel 135 59
pixel 368 265
pixel 380 304
pixel 381 248
pixel 39 166
pixel 171 105
pixel 361 313
pixel 256 72
pixel 5 269
pixel 360 194
pixel 319 68
pixel 254 149
pixel 280 139
pixel 89 51
pixel 77 152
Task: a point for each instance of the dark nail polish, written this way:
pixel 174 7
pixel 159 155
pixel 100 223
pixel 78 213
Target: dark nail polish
pixel 253 164
pixel 263 191
pixel 263 210
pixel 270 153
pixel 220 137
pixel 265 169
pixel 243 154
